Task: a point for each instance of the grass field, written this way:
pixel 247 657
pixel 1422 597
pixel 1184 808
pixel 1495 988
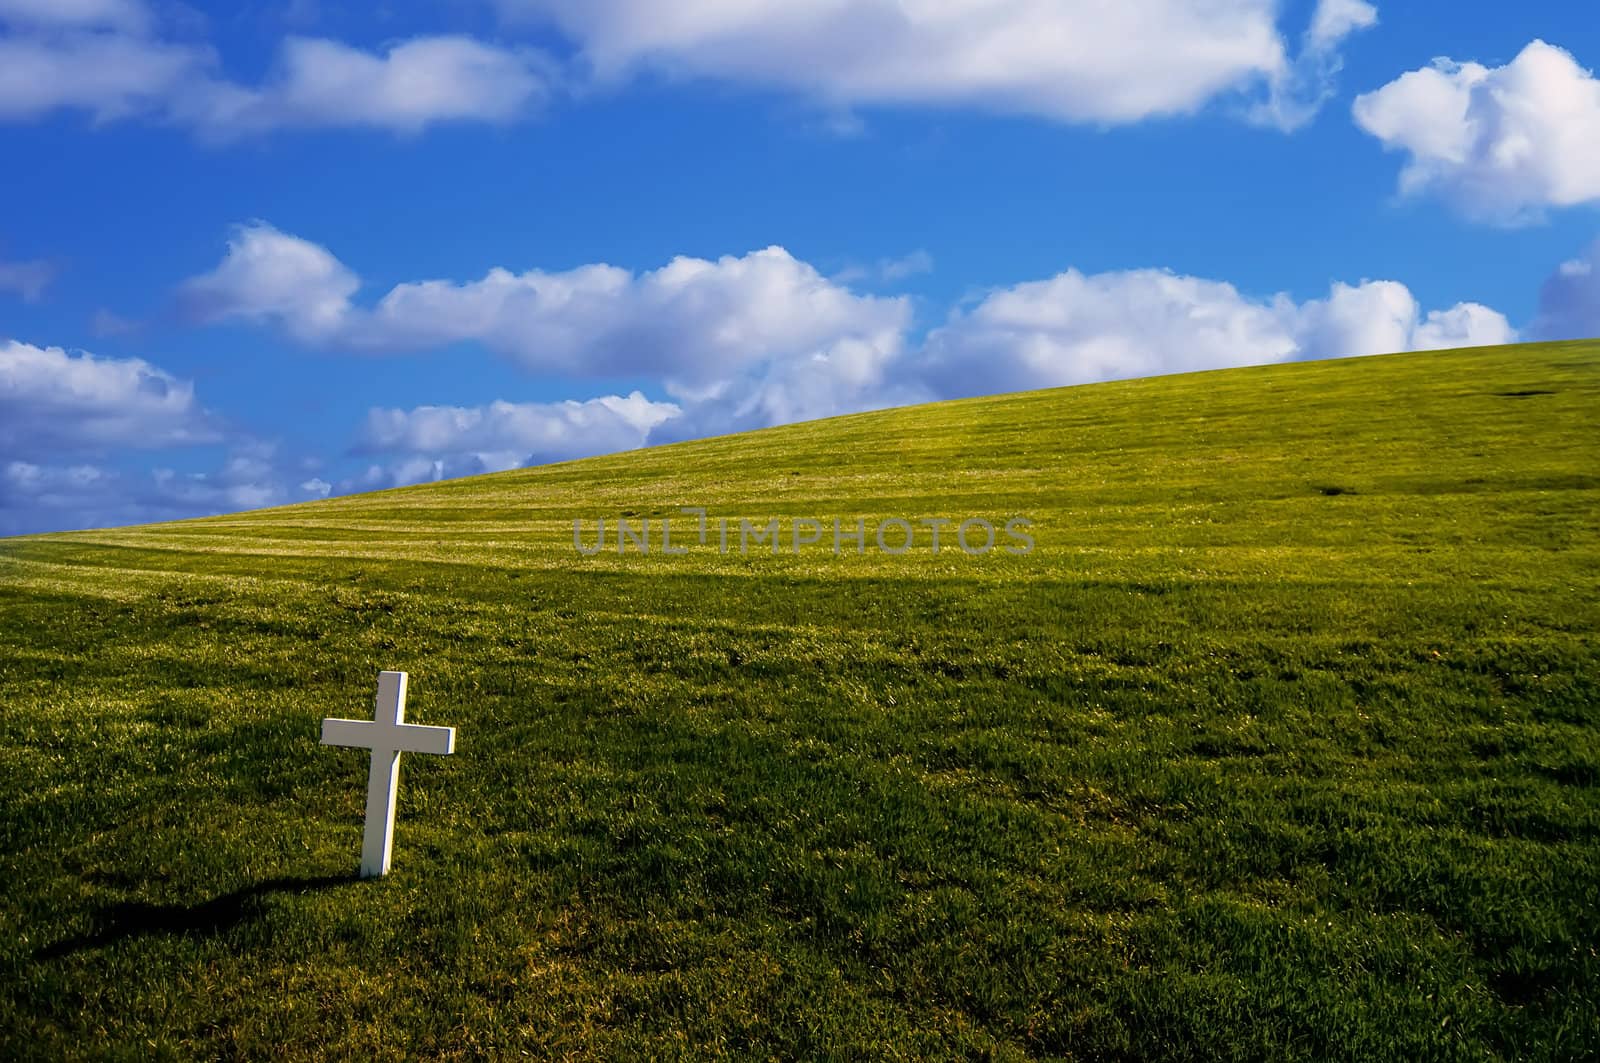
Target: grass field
pixel 1283 743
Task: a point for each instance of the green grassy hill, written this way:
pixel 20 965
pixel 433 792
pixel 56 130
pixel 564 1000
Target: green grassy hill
pixel 1283 743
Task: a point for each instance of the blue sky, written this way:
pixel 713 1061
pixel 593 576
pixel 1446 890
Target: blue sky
pixel 258 253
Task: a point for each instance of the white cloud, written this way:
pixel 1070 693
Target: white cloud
pixel 65 415
pixel 1297 90
pixel 847 375
pixel 1077 328
pixel 1374 317
pixel 1334 20
pixel 109 75
pixel 120 14
pixel 1070 329
pixel 52 495
pixel 1501 143
pixel 735 343
pixel 26 279
pixel 505 435
pixel 272 277
pixel 1463 325
pixel 440 442
pixel 761 339
pixel 248 479
pixel 694 324
pixel 1569 302
pixel 410 86
pixel 51 400
pixel 739 342
pixel 408 471
pixel 1070 60
pixel 38 480
pixel 101 56
pixel 783 345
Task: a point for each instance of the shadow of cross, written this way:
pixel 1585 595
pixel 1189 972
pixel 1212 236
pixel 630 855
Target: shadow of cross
pixel 130 919
pixel 387 735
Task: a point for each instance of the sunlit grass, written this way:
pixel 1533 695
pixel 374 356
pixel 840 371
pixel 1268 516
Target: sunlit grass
pixel 1281 744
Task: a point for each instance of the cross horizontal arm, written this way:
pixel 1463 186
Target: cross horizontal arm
pixel 348 733
pixel 414 738
pixel 406 738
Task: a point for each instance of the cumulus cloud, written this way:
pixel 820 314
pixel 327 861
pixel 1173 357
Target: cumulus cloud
pixel 250 477
pixel 108 75
pixel 1463 325
pixel 1069 329
pixel 407 88
pixel 49 485
pixel 1334 20
pixel 66 419
pixel 1066 60
pixel 1499 143
pixel 52 400
pixel 1569 302
pixel 761 339
pixel 1069 60
pixel 103 57
pixel 272 277
pixel 693 321
pixel 1076 328
pixel 695 324
pixel 54 495
pixel 452 440
pixel 736 343
pixel 1381 317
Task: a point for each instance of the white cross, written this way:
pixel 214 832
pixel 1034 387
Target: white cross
pixel 387 735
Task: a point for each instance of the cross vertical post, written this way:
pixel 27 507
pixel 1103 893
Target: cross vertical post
pixel 387 735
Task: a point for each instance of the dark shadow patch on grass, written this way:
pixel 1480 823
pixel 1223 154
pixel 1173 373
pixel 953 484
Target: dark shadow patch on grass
pixel 1522 394
pixel 123 920
pixel 1333 490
